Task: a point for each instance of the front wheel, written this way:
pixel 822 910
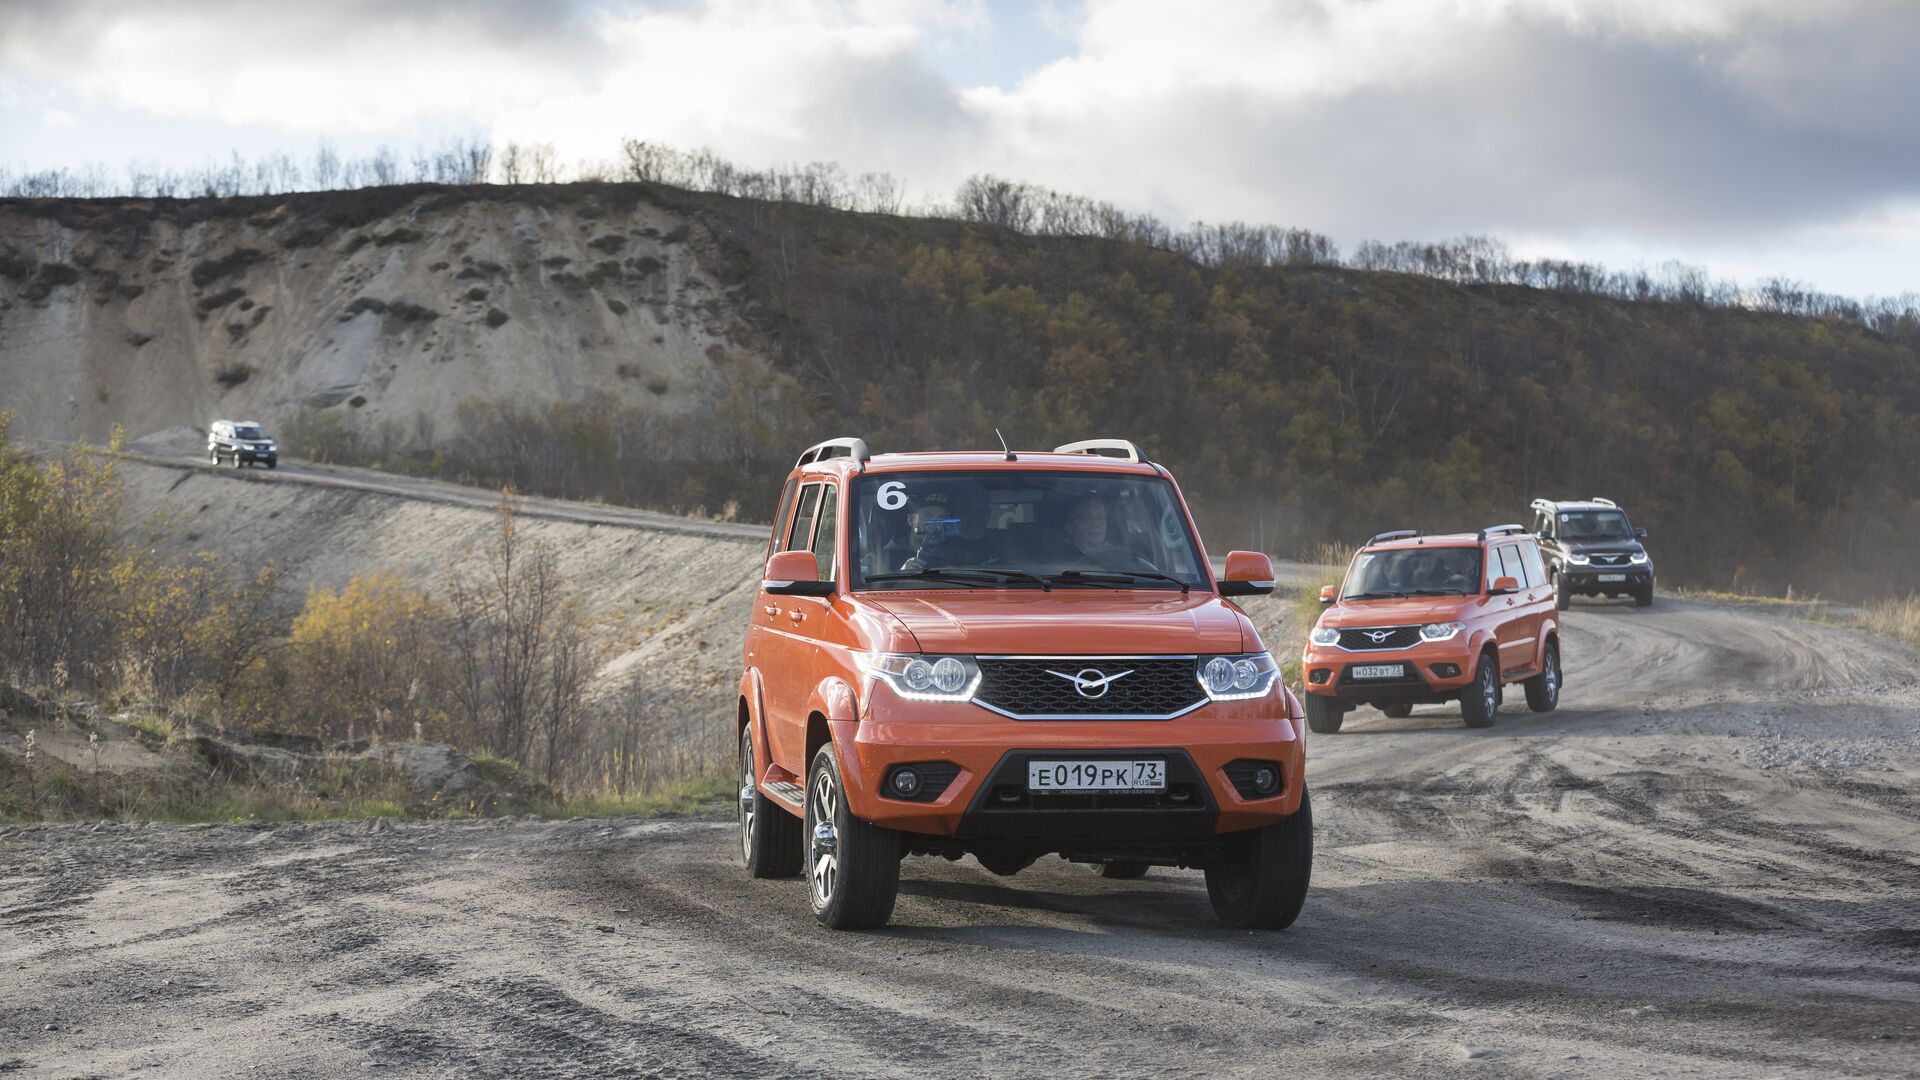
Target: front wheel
pixel 1481 702
pixel 1263 886
pixel 769 835
pixel 1562 596
pixel 1543 690
pixel 1324 715
pixel 1644 598
pixel 853 866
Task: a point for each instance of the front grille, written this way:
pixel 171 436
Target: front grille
pixel 1026 688
pixel 1609 560
pixel 1355 638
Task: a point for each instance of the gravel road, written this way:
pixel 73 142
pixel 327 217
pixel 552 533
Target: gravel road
pixel 1707 863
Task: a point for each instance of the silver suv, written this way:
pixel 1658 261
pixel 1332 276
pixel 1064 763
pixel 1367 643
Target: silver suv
pixel 241 442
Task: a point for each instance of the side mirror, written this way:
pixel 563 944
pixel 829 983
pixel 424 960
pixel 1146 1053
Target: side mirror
pixel 1639 534
pixel 1249 573
pixel 794 573
pixel 1329 593
pixel 1504 585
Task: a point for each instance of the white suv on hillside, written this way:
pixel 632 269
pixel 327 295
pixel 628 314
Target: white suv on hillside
pixel 241 442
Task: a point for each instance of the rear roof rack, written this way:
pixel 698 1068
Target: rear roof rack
pixel 1501 530
pixel 1545 506
pixel 1113 448
pixel 1598 501
pixel 847 447
pixel 1397 534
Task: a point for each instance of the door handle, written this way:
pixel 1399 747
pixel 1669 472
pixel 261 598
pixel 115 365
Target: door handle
pixel 798 616
pixel 772 612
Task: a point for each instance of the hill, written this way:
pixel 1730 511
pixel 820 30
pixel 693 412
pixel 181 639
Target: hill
pixel 666 348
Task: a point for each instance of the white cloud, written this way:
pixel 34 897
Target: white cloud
pixel 1684 125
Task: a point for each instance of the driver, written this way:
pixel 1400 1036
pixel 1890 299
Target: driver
pixel 1087 542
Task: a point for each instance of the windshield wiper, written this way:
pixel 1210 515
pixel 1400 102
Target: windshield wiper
pixel 1115 577
pixel 1435 592
pixel 970 576
pixel 1375 596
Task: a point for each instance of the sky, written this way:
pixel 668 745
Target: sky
pixel 1757 138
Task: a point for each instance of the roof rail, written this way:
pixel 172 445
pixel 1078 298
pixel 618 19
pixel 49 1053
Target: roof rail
pixel 1501 530
pixel 1397 534
pixel 1120 448
pixel 1598 501
pixel 1545 506
pixel 833 448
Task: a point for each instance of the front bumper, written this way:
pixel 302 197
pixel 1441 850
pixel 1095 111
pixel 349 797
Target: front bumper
pixel 987 799
pixel 1586 580
pixel 1435 671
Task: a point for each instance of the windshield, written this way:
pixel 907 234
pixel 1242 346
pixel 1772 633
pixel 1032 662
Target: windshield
pixel 1414 571
pixel 1593 525
pixel 1009 529
pixel 249 433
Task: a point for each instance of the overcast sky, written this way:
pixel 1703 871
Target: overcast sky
pixel 1756 137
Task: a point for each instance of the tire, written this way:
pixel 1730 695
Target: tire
pixel 1323 716
pixel 769 835
pixel 1643 598
pixel 237 463
pixel 1562 598
pixel 1481 702
pixel 1120 870
pixel 852 866
pixel 1397 712
pixel 213 458
pixel 1266 885
pixel 273 463
pixel 1543 690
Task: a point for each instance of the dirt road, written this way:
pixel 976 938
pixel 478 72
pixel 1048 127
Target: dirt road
pixel 1706 863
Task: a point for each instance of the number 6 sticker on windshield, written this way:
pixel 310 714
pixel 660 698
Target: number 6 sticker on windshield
pixel 892 495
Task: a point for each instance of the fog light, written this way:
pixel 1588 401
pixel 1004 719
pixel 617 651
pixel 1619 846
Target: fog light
pixel 1319 676
pixel 905 783
pixel 1266 779
pixel 1447 671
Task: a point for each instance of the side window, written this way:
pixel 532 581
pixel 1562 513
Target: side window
pixel 1530 561
pixel 800 536
pixel 780 515
pixel 1502 563
pixel 827 533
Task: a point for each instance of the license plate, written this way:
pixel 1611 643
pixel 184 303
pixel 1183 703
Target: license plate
pixel 1613 577
pixel 1096 775
pixel 1379 671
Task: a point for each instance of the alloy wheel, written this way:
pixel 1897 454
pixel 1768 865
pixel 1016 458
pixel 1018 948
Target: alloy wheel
pixel 746 796
pixel 823 856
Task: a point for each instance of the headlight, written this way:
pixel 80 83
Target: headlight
pixel 1638 558
pixel 1578 560
pixel 927 678
pixel 1237 678
pixel 1324 635
pixel 1440 631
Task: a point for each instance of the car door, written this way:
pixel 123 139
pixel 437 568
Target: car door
pixel 786 655
pixel 1515 631
pixel 1541 608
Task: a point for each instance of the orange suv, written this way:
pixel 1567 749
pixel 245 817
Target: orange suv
pixel 1009 655
pixel 1426 619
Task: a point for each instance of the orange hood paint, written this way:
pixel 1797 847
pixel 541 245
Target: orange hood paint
pixel 1092 622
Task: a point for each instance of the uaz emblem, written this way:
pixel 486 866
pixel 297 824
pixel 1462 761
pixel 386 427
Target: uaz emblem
pixel 1090 682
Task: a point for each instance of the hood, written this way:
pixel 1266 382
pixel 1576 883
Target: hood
pixel 1413 611
pixel 1602 547
pixel 1068 622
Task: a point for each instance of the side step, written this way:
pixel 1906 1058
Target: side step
pixel 788 792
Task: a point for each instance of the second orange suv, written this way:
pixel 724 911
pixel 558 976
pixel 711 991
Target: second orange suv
pixel 1009 655
pixel 1427 619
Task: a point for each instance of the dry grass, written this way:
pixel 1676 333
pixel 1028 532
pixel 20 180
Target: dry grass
pixel 1898 618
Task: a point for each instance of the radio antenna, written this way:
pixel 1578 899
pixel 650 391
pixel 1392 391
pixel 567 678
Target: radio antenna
pixel 1003 444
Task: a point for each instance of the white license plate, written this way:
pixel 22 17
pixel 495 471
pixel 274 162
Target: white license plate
pixel 1379 671
pixel 1096 775
pixel 1613 577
